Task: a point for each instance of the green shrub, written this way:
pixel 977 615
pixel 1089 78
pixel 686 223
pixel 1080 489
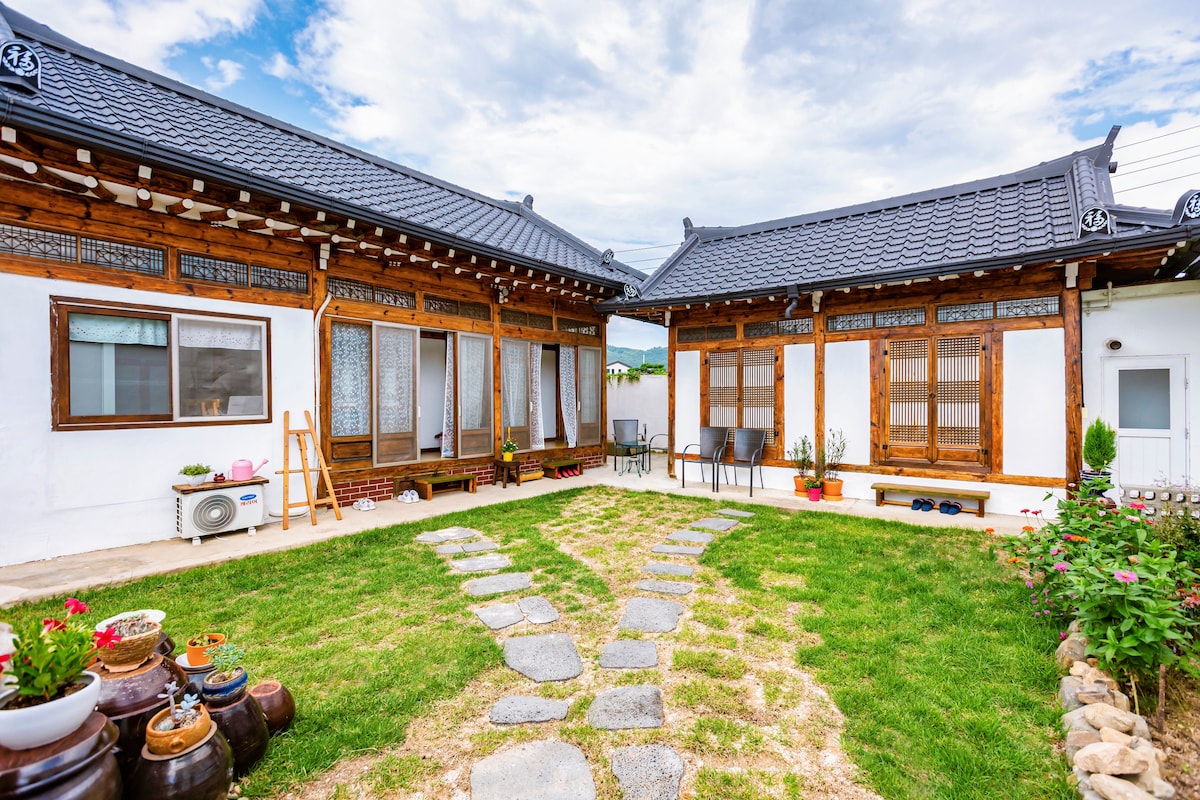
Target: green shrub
pixel 1099 445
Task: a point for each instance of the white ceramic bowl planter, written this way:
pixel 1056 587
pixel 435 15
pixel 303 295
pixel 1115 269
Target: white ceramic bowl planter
pixel 26 728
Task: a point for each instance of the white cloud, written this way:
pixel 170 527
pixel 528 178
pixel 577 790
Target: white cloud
pixel 224 73
pixel 279 67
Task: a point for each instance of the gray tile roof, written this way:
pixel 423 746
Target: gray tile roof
pixel 101 91
pixel 985 224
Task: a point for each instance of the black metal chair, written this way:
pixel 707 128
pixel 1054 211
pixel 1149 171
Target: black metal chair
pixel 628 445
pixel 748 446
pixel 710 450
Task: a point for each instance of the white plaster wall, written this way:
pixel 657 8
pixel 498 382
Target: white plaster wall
pixel 687 398
pixel 1158 320
pixel 432 389
pixel 799 388
pixel 848 397
pixel 74 491
pixel 1035 420
pixel 645 401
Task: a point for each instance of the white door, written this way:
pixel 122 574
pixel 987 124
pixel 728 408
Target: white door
pixel 1144 401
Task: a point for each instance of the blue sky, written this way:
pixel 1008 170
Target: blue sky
pixel 621 117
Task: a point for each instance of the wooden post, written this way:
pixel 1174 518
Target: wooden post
pixel 1073 347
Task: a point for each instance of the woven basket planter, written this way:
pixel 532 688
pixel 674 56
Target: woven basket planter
pixel 131 652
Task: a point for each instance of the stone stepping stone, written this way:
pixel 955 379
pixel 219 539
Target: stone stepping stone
pixel 498 584
pixel 480 547
pixel 545 657
pixel 667 587
pixel 689 536
pixel 629 654
pixel 538 610
pixel 677 550
pixel 481 563
pixel 648 772
pixel 448 549
pixel 733 512
pixel 520 710
pixel 500 616
pixel 449 535
pixel 545 770
pixel 651 615
pixel 665 568
pixel 714 524
pixel 627 707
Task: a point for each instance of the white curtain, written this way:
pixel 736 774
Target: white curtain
pixel 514 378
pixel 350 362
pixel 566 387
pixel 105 329
pixel 537 439
pixel 473 373
pixel 448 430
pixel 394 349
pixel 222 335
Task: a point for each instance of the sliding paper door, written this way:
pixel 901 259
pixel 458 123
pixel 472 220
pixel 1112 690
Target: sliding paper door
pixel 514 391
pixel 590 375
pixel 474 395
pixel 395 394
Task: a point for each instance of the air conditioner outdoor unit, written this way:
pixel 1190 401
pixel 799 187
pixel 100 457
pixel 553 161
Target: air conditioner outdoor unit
pixel 229 508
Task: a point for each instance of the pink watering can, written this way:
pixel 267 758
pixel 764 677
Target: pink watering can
pixel 243 469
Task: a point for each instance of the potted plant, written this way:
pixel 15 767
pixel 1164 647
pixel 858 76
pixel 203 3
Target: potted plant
pixel 508 448
pixel 196 473
pixel 1099 452
pixel 801 456
pixel 830 457
pixel 138 634
pixel 49 692
pixel 178 726
pixel 199 646
pixel 812 485
pixel 227 681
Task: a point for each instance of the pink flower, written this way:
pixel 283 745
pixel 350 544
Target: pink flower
pixel 1062 566
pixel 107 638
pixel 1138 506
pixel 51 624
pixel 1125 576
pixel 1062 635
pixel 1132 518
pixel 1028 584
pixel 75 606
pixel 1055 551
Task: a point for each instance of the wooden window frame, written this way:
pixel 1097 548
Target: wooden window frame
pixel 60 371
pixel 774 447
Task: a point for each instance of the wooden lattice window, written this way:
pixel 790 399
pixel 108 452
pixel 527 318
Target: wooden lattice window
pixel 741 389
pixel 934 410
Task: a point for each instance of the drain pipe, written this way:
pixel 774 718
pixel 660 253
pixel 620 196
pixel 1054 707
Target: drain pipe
pixel 317 367
pixel 794 296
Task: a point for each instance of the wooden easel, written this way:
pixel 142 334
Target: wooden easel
pixel 302 436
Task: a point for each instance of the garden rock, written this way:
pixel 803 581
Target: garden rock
pixel 733 512
pixel 1094 693
pixel 545 770
pixel 677 550
pixel 714 524
pixel 1077 740
pixel 1076 721
pixel 520 710
pixel 651 615
pixel 667 587
pixel 629 654
pixel 1110 758
pixel 481 563
pixel 627 707
pixel 1089 674
pixel 538 610
pixel 1072 649
pixel 1102 715
pixel 480 547
pixel 546 657
pixel 648 772
pixel 663 568
pixel 449 535
pixel 1116 737
pixel 448 549
pixel 1068 688
pixel 690 536
pixel 501 616
pixel 498 584
pixel 1111 788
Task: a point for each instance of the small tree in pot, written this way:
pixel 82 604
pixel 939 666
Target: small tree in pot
pixel 1099 452
pixel 801 456
pixel 830 460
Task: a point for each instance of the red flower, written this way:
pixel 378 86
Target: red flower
pixel 1037 513
pixel 75 606
pixel 4 659
pixel 51 624
pixel 1024 510
pixel 106 639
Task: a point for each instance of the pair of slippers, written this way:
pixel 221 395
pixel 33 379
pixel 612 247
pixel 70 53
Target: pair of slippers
pixel 364 505
pixel 569 472
pixel 945 507
pixel 409 496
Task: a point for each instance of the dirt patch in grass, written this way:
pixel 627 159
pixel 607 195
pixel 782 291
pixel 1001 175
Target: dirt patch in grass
pixel 747 722
pixel 1179 738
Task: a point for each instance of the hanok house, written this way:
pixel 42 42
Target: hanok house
pixel 178 271
pixel 954 336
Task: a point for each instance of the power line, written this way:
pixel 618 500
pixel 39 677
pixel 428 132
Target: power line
pixel 639 260
pixel 1160 166
pixel 1160 155
pixel 1156 183
pixel 1160 136
pixel 649 247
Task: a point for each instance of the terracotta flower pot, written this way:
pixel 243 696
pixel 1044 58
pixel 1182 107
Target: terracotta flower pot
pixel 799 481
pixel 131 652
pixel 175 741
pixel 831 490
pixel 277 703
pixel 197 654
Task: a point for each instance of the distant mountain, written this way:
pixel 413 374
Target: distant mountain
pixel 632 357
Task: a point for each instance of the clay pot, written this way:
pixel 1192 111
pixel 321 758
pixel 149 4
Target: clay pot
pixel 831 489
pixel 175 741
pixel 197 654
pixel 165 646
pixel 220 693
pixel 130 699
pixel 202 772
pixel 245 728
pixel 131 652
pixel 277 704
pixel 80 766
pixel 195 675
pixel 799 481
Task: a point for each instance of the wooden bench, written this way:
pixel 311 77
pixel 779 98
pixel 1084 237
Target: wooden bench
pixel 552 468
pixel 881 489
pixel 428 485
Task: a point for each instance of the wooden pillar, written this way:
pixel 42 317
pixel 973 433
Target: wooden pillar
pixel 1073 347
pixel 671 378
pixel 818 380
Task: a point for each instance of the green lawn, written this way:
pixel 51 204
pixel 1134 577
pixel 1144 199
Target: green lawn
pixel 945 680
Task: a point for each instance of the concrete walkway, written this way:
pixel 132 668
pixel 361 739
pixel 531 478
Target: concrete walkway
pixel 57 576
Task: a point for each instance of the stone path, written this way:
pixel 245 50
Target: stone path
pixel 553 770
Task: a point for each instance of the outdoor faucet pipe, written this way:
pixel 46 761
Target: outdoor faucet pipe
pixel 794 296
